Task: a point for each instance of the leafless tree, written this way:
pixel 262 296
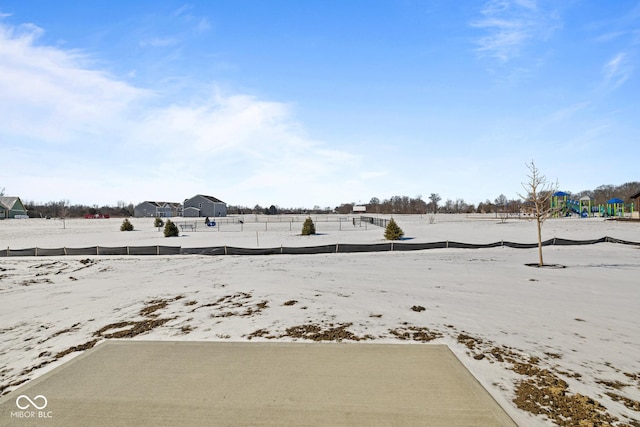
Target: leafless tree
pixel 434 199
pixel 501 208
pixel 64 212
pixel 537 199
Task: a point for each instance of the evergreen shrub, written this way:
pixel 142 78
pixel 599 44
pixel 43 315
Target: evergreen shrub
pixel 393 231
pixel 308 227
pixel 126 225
pixel 171 229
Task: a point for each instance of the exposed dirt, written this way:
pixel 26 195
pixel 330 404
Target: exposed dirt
pixel 155 305
pixel 126 329
pixel 415 333
pixel 186 329
pixel 542 391
pixel 81 347
pixel 228 305
pixel 612 384
pixel 469 341
pixel 331 333
pixel 629 403
pixel 260 333
pixel 131 330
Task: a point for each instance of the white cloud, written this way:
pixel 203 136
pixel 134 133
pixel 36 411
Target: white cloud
pixel 510 25
pixel 616 71
pixel 569 112
pixel 49 94
pixel 100 139
pixel 159 42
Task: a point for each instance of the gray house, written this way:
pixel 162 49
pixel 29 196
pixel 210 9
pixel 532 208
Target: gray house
pixel 204 206
pixel 157 209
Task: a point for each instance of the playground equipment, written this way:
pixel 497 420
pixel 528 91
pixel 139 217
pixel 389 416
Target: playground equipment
pixel 617 207
pixel 563 205
pixel 586 207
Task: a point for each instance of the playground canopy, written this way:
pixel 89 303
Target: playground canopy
pixel 614 201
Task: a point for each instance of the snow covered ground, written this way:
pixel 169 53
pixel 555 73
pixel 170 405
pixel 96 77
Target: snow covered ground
pixel 553 346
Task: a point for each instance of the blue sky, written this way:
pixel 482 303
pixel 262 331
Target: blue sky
pixel 303 103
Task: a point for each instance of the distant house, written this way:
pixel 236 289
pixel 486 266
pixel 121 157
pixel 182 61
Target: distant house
pixel 157 209
pixel 204 206
pixel 12 207
pixel 359 209
pixel 636 205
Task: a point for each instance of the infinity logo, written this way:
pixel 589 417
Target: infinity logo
pixel 22 397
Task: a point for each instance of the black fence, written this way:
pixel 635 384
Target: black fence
pixel 380 222
pixel 308 250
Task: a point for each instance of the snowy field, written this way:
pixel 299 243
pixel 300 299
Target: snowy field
pixel 553 346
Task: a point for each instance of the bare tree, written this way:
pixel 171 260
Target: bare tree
pixel 64 212
pixel 434 198
pixel 537 199
pixel 501 208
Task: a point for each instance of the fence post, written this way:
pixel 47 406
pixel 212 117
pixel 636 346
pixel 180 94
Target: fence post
pixel 127 250
pixel 391 246
pixel 158 250
pixel 97 250
pixel 447 246
pixel 36 253
pixel 64 249
pixel 337 247
pixel 225 249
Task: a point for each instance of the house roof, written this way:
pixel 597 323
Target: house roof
pixel 161 204
pixel 635 196
pixel 210 198
pixel 8 202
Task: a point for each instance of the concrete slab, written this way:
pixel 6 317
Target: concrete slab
pixel 151 383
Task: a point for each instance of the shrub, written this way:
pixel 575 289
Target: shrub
pixel 158 222
pixel 126 225
pixel 170 229
pixel 393 231
pixel 308 227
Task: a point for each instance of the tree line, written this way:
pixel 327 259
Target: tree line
pixel 64 209
pixel 501 204
pixel 394 205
